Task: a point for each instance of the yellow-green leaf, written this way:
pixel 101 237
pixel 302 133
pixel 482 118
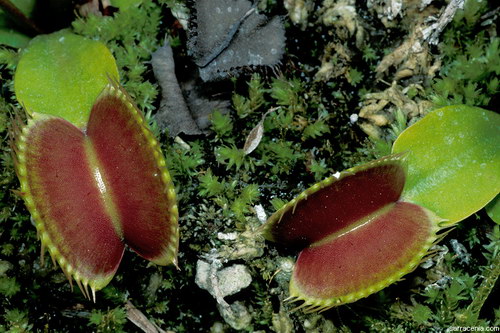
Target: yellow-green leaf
pixel 453 160
pixel 493 209
pixel 62 74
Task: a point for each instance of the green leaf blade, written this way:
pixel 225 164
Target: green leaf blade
pixel 62 74
pixel 453 160
pixel 493 209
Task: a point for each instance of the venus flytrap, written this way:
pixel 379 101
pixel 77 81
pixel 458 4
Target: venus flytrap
pixel 453 160
pixel 92 173
pixel 366 228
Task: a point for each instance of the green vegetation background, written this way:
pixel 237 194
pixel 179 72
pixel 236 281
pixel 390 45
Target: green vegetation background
pixel 308 138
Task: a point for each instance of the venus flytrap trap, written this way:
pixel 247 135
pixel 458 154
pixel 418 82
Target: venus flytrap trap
pixel 92 173
pixel 349 225
pixel 367 227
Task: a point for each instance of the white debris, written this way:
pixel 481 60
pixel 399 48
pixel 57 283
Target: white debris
pixel 232 279
pixel 236 315
pixel 393 9
pixel 261 214
pixel 224 282
pixel 227 236
pixel 431 33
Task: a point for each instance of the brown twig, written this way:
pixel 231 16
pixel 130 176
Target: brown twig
pixel 141 321
pixel 19 17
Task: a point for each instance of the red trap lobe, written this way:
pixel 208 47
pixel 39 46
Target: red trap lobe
pixel 90 192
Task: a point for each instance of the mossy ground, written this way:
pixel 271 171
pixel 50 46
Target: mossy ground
pixel 309 137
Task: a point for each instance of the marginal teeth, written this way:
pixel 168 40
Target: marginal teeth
pixel 86 285
pixel 174 210
pixel 29 202
pixel 24 133
pixel 79 285
pixel 20 145
pixel 166 178
pixel 62 262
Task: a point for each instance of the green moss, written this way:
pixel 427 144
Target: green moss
pixel 471 67
pixel 132 48
pixel 354 77
pixel 210 185
pixel 8 58
pixel 17 321
pixel 245 106
pixel 316 129
pixel 306 139
pixel 221 124
pixel 108 322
